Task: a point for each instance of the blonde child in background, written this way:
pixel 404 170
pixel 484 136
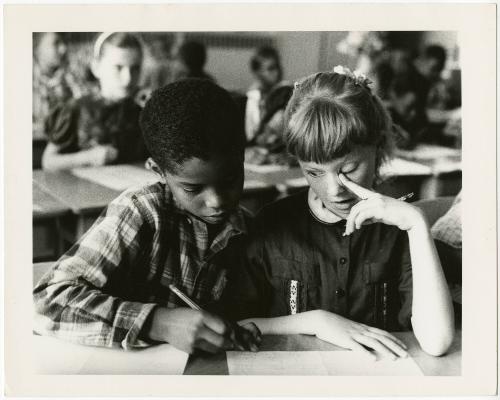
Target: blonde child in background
pixel 101 128
pixel 341 261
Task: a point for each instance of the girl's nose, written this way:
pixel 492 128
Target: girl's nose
pixel 335 187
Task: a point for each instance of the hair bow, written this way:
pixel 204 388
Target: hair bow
pixel 356 76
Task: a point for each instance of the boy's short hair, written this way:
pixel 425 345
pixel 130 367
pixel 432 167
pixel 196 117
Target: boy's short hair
pixel 264 53
pixel 329 114
pixel 191 118
pixel 122 40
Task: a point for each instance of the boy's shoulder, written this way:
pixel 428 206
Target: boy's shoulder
pixel 151 199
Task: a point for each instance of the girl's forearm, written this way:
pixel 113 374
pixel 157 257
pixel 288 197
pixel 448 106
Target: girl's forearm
pixel 432 309
pixel 302 323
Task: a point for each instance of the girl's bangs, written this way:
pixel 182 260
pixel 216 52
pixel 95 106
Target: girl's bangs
pixel 323 131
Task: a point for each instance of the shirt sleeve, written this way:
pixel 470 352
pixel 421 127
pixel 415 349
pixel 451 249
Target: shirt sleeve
pixel 405 282
pixel 71 301
pixel 61 126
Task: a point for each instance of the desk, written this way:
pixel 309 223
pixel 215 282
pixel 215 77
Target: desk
pixel 47 215
pixel 449 364
pixel 58 357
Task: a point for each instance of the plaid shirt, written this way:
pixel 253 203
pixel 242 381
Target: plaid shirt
pixel 103 289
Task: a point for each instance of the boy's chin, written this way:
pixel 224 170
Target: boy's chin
pixel 215 219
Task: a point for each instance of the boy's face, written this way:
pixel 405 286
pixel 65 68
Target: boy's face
pixel 359 166
pixel 118 71
pixel 209 189
pixel 269 72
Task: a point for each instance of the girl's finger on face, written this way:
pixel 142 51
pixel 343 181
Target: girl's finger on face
pixel 389 343
pixel 358 190
pixel 376 345
pixel 362 217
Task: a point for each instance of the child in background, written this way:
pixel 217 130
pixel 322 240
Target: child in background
pixel 189 61
pixel 269 147
pixel 266 68
pixel 101 129
pixel 342 261
pixel 407 112
pixel 53 82
pixel 112 287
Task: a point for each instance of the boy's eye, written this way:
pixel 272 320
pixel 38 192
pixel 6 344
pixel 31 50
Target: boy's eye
pixel 315 174
pixel 191 189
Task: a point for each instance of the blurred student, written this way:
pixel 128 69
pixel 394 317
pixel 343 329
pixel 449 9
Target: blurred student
pixel 53 82
pixel 341 261
pixel 189 61
pixel 112 288
pixel 101 128
pixel 407 111
pixel 265 66
pixel 268 141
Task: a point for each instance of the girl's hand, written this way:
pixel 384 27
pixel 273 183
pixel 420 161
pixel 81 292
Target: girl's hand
pixel 355 336
pixel 375 207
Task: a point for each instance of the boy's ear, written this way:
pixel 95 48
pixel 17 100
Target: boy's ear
pixel 153 166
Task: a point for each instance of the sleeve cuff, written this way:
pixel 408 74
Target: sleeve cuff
pixel 133 338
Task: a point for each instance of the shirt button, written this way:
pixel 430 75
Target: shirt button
pixel 340 292
pixel 343 260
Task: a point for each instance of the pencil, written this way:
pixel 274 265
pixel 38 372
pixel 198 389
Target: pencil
pixel 184 298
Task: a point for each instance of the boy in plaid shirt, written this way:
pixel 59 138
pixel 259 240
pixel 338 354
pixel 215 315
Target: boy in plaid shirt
pixel 111 288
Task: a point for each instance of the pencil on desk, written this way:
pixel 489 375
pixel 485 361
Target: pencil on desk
pixel 184 298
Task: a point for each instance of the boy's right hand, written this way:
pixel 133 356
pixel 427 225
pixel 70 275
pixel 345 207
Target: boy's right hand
pixel 189 330
pixel 355 336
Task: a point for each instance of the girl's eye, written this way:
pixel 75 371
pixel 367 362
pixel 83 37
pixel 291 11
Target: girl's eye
pixel 315 174
pixel 349 169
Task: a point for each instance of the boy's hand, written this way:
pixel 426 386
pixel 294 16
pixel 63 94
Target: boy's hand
pixel 351 335
pixel 189 330
pixel 375 207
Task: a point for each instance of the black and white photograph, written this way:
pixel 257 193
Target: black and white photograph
pixel 269 204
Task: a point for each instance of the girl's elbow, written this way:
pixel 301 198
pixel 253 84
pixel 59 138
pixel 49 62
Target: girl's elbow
pixel 438 346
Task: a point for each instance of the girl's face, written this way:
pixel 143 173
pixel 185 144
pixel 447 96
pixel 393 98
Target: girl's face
pixel 118 71
pixel 359 166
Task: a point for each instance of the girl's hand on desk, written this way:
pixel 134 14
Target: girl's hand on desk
pixel 352 335
pixel 375 207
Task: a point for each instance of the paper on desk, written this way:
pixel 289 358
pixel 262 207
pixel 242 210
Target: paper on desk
pixel 54 356
pixel 317 363
pixel 117 177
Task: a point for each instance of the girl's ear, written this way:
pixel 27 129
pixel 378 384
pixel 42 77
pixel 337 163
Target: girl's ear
pixel 94 67
pixel 153 166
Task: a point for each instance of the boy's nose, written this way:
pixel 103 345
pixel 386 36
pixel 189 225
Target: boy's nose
pixel 213 199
